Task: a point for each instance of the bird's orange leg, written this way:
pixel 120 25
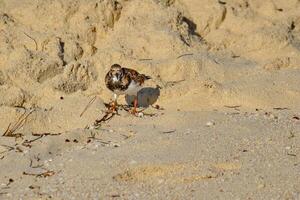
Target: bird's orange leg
pixel 114 104
pixel 135 104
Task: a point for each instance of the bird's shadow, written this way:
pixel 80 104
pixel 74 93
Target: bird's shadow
pixel 146 97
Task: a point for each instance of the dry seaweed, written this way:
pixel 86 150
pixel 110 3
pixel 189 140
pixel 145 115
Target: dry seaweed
pixel 46 134
pixel 28 143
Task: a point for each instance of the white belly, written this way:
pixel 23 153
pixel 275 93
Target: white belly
pixel 132 89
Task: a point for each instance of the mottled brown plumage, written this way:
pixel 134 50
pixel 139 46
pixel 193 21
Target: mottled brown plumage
pixel 118 79
pixel 124 81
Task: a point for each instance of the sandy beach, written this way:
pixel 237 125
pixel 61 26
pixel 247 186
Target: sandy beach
pixel 221 114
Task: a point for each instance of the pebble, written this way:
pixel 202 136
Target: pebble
pixel 141 114
pixel 273 116
pixel 210 123
pixel 260 186
pixel 132 162
pixel 116 145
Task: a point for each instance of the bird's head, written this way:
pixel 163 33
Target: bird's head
pixel 116 72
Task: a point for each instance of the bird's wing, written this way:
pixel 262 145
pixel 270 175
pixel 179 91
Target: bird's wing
pixel 134 75
pixel 108 78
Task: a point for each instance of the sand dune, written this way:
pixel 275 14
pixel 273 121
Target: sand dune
pixel 202 55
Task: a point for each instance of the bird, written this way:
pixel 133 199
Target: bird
pixel 124 81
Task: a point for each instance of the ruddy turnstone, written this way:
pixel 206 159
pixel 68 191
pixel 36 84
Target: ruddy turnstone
pixel 124 81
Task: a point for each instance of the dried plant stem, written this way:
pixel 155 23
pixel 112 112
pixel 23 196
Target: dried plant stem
pixel 36 45
pixel 88 105
pixel 10 131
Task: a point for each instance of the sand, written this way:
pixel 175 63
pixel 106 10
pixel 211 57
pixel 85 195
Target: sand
pixel 222 111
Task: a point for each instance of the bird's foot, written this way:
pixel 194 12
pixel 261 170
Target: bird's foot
pixel 134 112
pixel 113 107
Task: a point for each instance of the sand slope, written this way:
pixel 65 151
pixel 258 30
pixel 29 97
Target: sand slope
pixel 202 54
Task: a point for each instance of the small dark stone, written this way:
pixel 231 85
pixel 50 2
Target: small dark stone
pixel 296 118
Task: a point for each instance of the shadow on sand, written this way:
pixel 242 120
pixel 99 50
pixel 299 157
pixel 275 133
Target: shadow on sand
pixel 146 97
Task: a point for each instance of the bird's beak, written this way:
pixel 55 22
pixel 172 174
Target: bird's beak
pixel 119 76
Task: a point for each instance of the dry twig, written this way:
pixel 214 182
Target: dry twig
pixel 187 54
pixel 234 107
pixel 27 143
pixel 88 105
pixel 36 45
pixel 43 175
pixel 278 108
pixel 46 134
pixel 106 117
pixel 145 59
pixel 9 148
pixel 170 131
